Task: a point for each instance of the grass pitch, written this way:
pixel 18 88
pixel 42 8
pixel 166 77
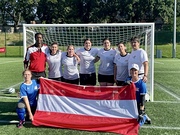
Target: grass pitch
pixel 164 111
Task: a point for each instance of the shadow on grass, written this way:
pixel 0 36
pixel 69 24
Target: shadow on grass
pixel 6 107
pixel 8 111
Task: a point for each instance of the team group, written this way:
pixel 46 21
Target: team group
pixel 78 67
pixel 112 68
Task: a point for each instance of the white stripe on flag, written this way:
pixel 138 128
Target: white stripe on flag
pixel 107 108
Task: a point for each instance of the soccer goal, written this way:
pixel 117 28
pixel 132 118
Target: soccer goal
pixel 66 34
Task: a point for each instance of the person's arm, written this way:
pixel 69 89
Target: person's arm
pixel 26 64
pixel 145 64
pixel 142 101
pixel 26 101
pixel 26 60
pixel 96 59
pixel 143 91
pixel 77 57
pixel 115 72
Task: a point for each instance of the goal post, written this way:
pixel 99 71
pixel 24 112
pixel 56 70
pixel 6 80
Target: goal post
pixel 75 34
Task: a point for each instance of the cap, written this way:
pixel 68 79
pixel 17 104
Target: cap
pixel 135 66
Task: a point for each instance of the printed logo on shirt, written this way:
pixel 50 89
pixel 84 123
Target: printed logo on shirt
pixel 35 87
pixel 137 89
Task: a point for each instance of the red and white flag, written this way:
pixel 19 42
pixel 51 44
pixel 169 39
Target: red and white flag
pixel 91 108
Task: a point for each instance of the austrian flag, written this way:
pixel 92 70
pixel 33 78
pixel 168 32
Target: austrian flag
pixel 91 108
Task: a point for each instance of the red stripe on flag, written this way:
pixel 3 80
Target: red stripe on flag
pixel 90 123
pixel 87 92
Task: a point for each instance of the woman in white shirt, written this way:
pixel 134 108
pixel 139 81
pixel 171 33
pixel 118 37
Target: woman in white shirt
pixel 106 68
pixel 53 59
pixel 70 66
pixel 139 57
pixel 87 71
pixel 121 65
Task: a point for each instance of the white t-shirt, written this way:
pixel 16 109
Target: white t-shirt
pixel 70 64
pixel 87 60
pixel 106 66
pixel 54 63
pixel 122 66
pixel 138 57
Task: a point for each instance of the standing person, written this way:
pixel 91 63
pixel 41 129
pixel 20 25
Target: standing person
pixel 140 92
pixel 54 62
pixel 36 56
pixel 70 62
pixel 139 56
pixel 121 65
pixel 87 65
pixel 28 102
pixel 106 68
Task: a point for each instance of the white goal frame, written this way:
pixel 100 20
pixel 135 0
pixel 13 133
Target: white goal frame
pixel 148 43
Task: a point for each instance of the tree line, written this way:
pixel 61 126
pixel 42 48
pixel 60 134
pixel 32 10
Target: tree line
pixel 87 11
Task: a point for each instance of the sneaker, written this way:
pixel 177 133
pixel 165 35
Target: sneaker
pixel 21 123
pixel 148 120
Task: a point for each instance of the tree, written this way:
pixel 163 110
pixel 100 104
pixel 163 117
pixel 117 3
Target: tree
pixel 14 10
pixel 79 11
pixel 51 11
pixel 28 10
pixel 3 14
pixel 88 11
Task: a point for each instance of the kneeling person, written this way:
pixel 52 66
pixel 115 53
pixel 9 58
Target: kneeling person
pixel 28 102
pixel 140 93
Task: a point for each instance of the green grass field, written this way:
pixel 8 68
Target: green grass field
pixel 164 111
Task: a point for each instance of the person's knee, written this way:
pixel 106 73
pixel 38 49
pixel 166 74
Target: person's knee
pixel 21 105
pixel 21 112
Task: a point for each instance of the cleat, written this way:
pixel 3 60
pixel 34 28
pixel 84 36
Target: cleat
pixel 148 120
pixel 21 123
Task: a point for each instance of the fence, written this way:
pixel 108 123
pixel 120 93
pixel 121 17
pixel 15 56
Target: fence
pixel 165 37
pixel 13 42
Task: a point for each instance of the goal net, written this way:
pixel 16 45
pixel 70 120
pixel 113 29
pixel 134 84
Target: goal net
pixel 66 34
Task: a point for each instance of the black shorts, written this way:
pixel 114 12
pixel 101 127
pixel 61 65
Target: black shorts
pixel 36 75
pixel 106 78
pixel 120 83
pixel 76 81
pixel 57 79
pixel 88 79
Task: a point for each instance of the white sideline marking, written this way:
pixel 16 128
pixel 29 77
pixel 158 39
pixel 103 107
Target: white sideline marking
pixel 158 62
pixel 156 127
pixel 10 97
pixel 170 102
pixel 11 86
pixel 10 62
pixel 12 121
pixel 167 72
pixel 170 93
